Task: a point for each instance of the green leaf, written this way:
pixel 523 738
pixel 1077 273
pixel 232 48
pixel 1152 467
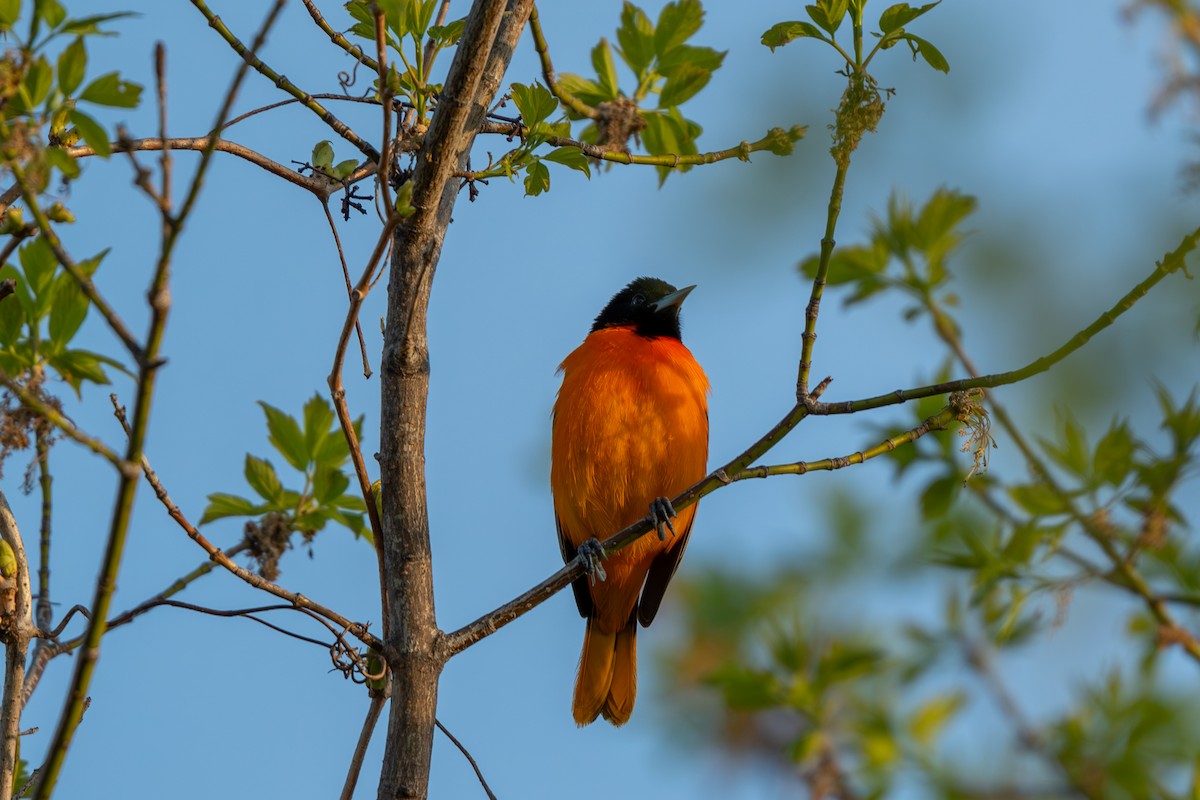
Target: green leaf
pixel 23 296
pixel 606 71
pixel 783 32
pixel 939 496
pixel 92 132
pixel 939 217
pixel 10 10
pixel 635 39
pixel 535 103
pixel 1071 451
pixel 38 81
pixel 687 55
pixel 344 169
pixel 933 57
pixel 322 154
pixel 329 483
pixel 262 479
pixel 669 134
pixel 1036 499
pixel 420 15
pixel 683 83
pixel 448 34
pixel 285 436
pixel 111 90
pixel 820 14
pixel 72 63
pixel 51 11
pixel 90 26
pixel 318 418
pixel 570 157
pixel 70 306
pixel 928 721
pixel 63 161
pixel 229 505
pixel 901 14
pixel 746 690
pixel 585 89
pixel 12 313
pixel 832 12
pixel 39 265
pixel 333 449
pixel 537 179
pixel 77 366
pixel 677 23
pixel 356 523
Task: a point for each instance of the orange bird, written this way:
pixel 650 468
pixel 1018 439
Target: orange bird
pixel 630 431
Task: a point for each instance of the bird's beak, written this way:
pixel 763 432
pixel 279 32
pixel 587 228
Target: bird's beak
pixel 673 299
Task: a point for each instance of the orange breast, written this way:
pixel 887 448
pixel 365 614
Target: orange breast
pixel 630 425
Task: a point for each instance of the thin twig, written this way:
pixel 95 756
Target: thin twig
pixel 337 391
pixel 249 55
pixel 148 366
pixel 360 749
pixel 338 39
pixel 165 166
pixel 936 422
pixel 384 177
pixel 221 558
pixel 48 412
pixel 318 184
pixel 776 140
pixel 85 283
pixel 46 482
pixel 467 754
pixel 543 50
pixel 362 344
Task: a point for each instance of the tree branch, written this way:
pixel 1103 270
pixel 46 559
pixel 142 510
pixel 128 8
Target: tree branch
pixel 777 140
pixel 543 50
pixel 16 629
pixel 457 641
pixel 484 52
pixel 148 366
pixel 364 741
pixel 250 56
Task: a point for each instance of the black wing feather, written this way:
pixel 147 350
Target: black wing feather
pixel 583 598
pixel 662 568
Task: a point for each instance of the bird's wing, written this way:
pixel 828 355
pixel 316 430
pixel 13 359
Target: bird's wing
pixel 662 568
pixel 583 598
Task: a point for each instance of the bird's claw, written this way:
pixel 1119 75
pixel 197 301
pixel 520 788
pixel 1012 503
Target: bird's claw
pixel 592 553
pixel 661 514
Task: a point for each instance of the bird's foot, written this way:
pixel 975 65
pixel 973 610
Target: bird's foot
pixel 592 553
pixel 661 514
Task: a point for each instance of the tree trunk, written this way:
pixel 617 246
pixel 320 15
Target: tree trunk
pixel 482 56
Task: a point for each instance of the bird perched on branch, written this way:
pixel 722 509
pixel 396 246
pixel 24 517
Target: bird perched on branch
pixel 630 432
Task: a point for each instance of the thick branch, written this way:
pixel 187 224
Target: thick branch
pixel 483 54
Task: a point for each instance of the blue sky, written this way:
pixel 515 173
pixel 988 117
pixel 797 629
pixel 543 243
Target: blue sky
pixel 1044 117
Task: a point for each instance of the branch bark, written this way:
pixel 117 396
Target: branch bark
pixel 16 631
pixel 483 54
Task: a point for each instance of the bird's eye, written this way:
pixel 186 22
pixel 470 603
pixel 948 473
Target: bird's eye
pixel 638 299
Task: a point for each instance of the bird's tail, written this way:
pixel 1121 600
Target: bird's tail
pixel 607 682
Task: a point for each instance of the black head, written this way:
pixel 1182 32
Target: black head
pixel 649 305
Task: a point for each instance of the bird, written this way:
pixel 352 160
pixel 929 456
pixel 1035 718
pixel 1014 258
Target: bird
pixel 629 431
